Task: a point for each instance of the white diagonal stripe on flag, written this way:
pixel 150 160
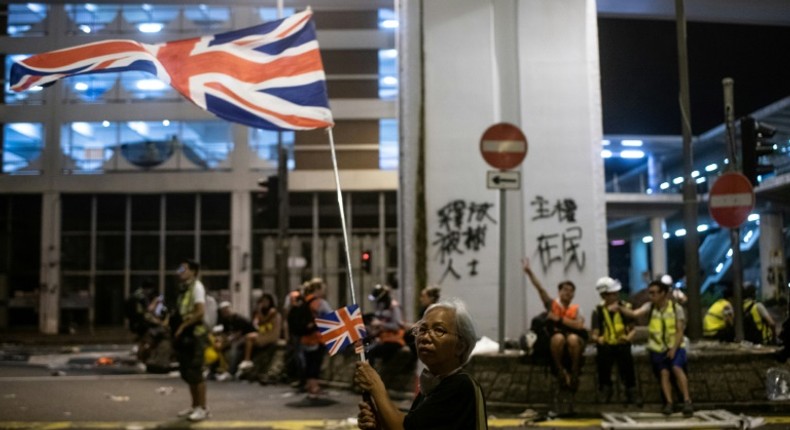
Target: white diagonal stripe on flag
pixel 731 200
pixel 504 146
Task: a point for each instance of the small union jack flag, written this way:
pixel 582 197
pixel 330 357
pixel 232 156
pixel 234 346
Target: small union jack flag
pixel 268 76
pixel 340 328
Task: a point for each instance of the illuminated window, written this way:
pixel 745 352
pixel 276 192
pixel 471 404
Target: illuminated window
pixel 90 18
pixel 263 143
pixel 270 13
pixel 94 147
pixel 22 146
pixel 388 144
pixel 26 19
pixel 388 73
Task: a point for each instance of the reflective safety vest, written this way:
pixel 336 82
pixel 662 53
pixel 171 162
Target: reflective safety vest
pixel 186 306
pixel 750 306
pixel 571 312
pixel 610 324
pixel 714 319
pixel 662 328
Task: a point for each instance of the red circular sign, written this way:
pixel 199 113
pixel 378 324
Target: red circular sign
pixel 503 146
pixel 731 199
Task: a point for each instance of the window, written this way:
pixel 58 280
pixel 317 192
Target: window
pixel 93 147
pixel 26 19
pixel 22 146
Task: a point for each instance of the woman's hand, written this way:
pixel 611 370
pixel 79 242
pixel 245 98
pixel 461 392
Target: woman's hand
pixel 368 379
pixel 366 419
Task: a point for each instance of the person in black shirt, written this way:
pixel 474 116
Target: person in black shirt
pixel 449 398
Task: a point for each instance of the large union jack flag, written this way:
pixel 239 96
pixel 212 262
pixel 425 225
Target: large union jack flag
pixel 340 328
pixel 268 76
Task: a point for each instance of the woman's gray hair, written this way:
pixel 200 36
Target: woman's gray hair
pixel 464 326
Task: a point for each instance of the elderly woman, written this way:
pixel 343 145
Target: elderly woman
pixel 449 398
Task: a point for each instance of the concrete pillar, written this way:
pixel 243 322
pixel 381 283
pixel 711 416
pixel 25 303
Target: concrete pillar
pixel 533 63
pixel 240 256
pixel 658 259
pixel 773 270
pixel 410 120
pixel 49 292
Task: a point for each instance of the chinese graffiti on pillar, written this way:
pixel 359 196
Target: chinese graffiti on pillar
pixel 561 245
pixel 461 234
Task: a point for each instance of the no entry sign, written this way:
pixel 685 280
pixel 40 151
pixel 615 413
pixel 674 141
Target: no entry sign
pixel 503 146
pixel 731 199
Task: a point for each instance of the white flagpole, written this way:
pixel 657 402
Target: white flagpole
pixel 343 224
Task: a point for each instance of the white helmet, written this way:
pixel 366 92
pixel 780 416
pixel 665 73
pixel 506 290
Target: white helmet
pixel 666 279
pixel 607 285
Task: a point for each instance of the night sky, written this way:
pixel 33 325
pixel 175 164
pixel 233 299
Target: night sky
pixel 639 73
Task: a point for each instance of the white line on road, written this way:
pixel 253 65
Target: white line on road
pixel 83 377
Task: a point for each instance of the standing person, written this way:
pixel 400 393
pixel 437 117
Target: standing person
pixel 612 333
pixel 449 398
pixel 428 296
pixel 719 322
pixel 314 350
pixel 568 335
pixel 666 343
pixel 190 337
pixel 387 325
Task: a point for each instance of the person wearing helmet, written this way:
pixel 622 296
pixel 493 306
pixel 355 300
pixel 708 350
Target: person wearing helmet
pixel 612 333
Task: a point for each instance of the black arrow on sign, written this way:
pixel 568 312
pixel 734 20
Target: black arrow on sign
pixel 497 179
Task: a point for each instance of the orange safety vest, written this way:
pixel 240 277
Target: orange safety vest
pixel 571 312
pixel 313 338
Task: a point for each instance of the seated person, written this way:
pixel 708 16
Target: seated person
pixel 214 359
pixel 719 322
pixel 449 398
pixel 567 332
pixel 666 344
pixel 229 341
pixel 268 323
pixel 759 326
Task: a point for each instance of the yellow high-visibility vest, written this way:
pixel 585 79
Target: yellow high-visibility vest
pixel 662 328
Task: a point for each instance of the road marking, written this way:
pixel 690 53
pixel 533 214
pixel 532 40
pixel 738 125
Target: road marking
pixel 84 377
pixel 288 425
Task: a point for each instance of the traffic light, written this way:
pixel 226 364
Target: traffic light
pixel 366 261
pixel 755 144
pixel 266 200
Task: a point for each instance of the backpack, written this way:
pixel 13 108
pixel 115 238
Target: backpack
pixel 300 318
pixel 541 350
pixel 750 330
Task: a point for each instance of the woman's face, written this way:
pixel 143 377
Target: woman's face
pixel 437 342
pixel 265 302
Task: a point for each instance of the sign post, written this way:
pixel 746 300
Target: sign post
pixel 731 200
pixel 503 146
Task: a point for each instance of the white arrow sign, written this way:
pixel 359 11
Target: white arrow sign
pixel 497 180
